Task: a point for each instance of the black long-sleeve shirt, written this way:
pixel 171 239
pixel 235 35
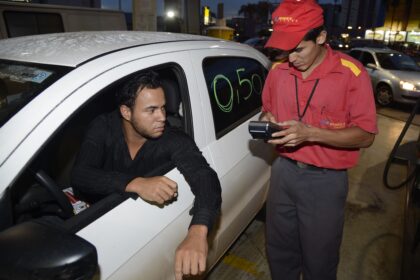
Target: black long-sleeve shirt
pixel 104 165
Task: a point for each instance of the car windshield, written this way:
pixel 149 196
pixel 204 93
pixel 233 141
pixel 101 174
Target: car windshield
pixel 21 82
pixel 397 61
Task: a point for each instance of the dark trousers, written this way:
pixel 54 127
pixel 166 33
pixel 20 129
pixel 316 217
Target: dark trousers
pixel 305 217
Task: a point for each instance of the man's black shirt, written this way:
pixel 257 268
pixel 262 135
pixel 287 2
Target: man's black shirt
pixel 104 165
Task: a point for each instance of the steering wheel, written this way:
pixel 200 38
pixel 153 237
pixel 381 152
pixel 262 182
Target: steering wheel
pixel 44 180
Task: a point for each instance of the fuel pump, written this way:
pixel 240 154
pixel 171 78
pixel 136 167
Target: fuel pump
pixel 408 154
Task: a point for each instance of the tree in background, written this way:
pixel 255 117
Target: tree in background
pixel 258 16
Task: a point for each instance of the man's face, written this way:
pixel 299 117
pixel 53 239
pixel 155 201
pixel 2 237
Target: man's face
pixel 307 54
pixel 148 114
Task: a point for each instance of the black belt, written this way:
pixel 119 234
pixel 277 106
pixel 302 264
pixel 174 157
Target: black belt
pixel 307 166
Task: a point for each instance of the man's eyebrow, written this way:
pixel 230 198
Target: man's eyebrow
pixel 152 107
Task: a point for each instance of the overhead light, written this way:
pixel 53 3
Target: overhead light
pixel 170 14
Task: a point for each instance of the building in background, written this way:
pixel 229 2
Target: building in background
pixel 393 21
pixel 22 19
pixel 402 22
pixel 149 15
pixel 76 3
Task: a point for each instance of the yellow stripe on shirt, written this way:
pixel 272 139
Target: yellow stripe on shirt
pixel 347 63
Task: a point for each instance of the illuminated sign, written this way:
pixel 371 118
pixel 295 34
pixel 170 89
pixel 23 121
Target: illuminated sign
pixel 206 14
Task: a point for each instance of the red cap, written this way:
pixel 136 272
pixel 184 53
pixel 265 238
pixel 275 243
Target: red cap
pixel 291 21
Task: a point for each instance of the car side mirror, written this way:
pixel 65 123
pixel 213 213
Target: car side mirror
pixel 371 66
pixel 32 250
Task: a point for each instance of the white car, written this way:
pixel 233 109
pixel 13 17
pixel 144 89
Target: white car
pixel 53 85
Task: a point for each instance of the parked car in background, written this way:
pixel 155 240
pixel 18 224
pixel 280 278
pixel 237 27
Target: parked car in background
pixel 257 43
pixel 53 85
pixel 395 76
pixel 366 43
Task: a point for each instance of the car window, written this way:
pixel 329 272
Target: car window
pixel 397 61
pixel 234 85
pixel 55 160
pixel 367 58
pixel 355 54
pixel 30 23
pixel 20 83
pixel 252 41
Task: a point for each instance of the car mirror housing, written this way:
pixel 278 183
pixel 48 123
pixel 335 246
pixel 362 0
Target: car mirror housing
pixel 371 66
pixel 36 251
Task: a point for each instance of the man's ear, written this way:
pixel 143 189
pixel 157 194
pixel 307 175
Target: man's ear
pixel 322 38
pixel 125 112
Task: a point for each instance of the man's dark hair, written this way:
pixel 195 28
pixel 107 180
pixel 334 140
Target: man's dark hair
pixel 128 93
pixel 313 34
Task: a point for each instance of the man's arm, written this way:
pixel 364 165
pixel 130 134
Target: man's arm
pixel 201 178
pixel 192 252
pixel 157 189
pixel 297 132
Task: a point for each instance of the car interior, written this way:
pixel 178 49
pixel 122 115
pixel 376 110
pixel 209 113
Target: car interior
pixel 38 194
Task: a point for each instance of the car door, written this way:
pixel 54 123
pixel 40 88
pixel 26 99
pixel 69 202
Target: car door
pixel 230 87
pixel 366 58
pixel 132 236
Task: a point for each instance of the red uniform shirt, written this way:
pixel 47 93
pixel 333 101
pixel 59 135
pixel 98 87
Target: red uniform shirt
pixel 343 98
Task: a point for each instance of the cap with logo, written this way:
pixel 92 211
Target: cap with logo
pixel 292 20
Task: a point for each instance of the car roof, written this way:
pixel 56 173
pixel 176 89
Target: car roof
pixel 376 50
pixel 74 48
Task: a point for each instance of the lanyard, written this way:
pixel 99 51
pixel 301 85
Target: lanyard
pixel 307 102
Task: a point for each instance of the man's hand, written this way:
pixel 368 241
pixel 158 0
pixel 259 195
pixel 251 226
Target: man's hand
pixel 191 254
pixel 294 134
pixel 267 117
pixel 155 189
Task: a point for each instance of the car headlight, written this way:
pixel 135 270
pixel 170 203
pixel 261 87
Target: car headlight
pixel 407 86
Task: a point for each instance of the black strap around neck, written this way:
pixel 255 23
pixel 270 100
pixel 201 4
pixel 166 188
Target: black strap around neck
pixel 307 102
